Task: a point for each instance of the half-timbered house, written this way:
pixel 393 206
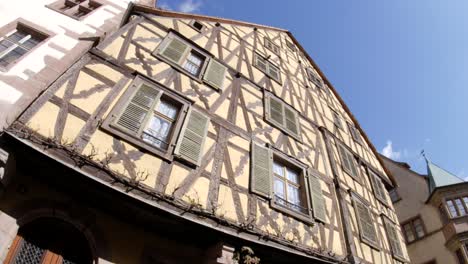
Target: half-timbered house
pixel 184 138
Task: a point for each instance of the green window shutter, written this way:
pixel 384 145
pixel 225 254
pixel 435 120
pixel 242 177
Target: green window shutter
pixel 393 239
pixel 292 121
pixel 366 224
pixel 133 116
pixel 192 137
pixel 318 202
pixel 344 158
pixel 175 50
pixel 261 170
pixel 379 188
pixel 215 73
pixel 275 111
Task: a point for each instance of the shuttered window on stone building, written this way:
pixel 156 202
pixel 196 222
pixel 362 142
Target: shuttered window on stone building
pixel 282 115
pixel 365 221
pixel 151 117
pixel 267 67
pixel 394 239
pixel 191 60
pixel 286 183
pixel 379 188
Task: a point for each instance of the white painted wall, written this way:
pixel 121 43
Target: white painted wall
pixel 21 84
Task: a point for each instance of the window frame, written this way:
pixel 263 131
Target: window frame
pixel 282 127
pixel 378 180
pixel 452 199
pixel 192 25
pixel 337 121
pixel 394 190
pixel 356 198
pixel 272 46
pixel 110 122
pixel 411 222
pixel 315 78
pixel 69 12
pixel 268 64
pixel 285 159
pixel 31 29
pixel 291 46
pixel 387 221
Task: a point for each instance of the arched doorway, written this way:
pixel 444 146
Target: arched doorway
pixel 49 240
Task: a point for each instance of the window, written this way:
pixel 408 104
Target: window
pixel 379 189
pixel 394 196
pixel 18 41
pixel 457 206
pixel 285 182
pixel 77 9
pixel 197 25
pixel 184 56
pixel 348 162
pixel 315 78
pixel 337 119
pixel 282 115
pixel 267 67
pixel 271 46
pixel 355 133
pixel 290 46
pixel 413 230
pixel 394 239
pixel 365 221
pixel 150 117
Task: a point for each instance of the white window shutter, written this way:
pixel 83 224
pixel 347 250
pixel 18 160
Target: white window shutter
pixel 134 114
pixel 318 202
pixel 291 121
pixel 261 170
pixel 215 74
pixel 192 137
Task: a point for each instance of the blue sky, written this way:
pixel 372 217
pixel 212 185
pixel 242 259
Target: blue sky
pixel 401 66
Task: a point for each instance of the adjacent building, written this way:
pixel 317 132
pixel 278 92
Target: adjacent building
pixel 183 138
pixel 433 213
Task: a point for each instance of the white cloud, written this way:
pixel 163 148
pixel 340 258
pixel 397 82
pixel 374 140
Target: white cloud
pixel 188 6
pixel 388 152
pixel 165 6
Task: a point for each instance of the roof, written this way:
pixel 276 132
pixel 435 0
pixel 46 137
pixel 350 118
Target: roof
pixel 160 12
pixel 439 177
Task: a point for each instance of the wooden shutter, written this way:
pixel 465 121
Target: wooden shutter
pixel 379 189
pixel 366 224
pixel 175 50
pixel 192 137
pixel 275 111
pixel 261 170
pixel 291 121
pixel 318 202
pixel 215 73
pixel 133 116
pixel 393 239
pixel 344 158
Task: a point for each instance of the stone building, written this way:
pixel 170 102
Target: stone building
pixel 183 138
pixel 433 213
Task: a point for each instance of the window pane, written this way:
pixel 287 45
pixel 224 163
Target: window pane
pixel 460 207
pixel 5 44
pixel 167 109
pixel 157 131
pixel 278 169
pixel 293 195
pixel 452 210
pixel 279 187
pixel 193 63
pixel 261 63
pixel 408 232
pixel 30 43
pixel 394 195
pixel 12 56
pixel 17 36
pixel 418 228
pixel 293 176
